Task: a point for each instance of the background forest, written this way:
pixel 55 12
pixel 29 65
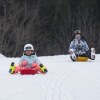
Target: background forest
pixel 47 24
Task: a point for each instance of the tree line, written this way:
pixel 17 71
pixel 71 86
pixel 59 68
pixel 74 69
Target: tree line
pixel 47 24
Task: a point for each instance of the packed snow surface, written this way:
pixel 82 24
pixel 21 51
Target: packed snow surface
pixel 65 80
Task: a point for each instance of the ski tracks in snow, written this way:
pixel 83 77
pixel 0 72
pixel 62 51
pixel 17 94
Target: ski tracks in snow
pixel 54 89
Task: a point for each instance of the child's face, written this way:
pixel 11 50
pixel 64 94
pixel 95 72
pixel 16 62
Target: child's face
pixel 28 52
pixel 78 36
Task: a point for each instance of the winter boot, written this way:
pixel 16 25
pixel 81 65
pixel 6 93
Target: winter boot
pixel 43 68
pixel 73 57
pixel 92 53
pixel 12 68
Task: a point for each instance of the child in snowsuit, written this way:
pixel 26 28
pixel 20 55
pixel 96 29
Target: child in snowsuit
pixel 79 47
pixel 29 60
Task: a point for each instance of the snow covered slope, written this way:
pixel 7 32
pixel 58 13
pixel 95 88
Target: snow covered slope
pixel 66 80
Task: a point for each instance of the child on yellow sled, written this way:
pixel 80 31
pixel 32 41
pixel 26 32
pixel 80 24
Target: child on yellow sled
pixel 79 47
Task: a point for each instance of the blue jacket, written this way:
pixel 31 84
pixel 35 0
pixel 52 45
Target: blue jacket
pixel 79 46
pixel 30 59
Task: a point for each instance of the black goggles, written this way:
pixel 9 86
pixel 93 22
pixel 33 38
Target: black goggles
pixel 28 48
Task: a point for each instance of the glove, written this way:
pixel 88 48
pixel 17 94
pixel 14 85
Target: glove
pixel 24 63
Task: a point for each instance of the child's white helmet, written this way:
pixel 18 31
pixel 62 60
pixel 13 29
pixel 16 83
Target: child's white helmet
pixel 28 47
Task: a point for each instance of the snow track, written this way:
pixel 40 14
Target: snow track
pixel 54 90
pixel 65 80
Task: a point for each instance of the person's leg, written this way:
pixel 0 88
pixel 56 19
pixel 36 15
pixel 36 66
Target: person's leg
pixel 37 67
pixel 91 54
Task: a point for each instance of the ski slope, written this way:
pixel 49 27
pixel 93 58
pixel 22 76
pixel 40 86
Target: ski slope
pixel 66 80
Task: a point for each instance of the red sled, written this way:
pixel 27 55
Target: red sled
pixel 28 71
pixel 25 70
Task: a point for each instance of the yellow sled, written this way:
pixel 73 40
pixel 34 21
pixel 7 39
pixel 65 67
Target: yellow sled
pixel 81 59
